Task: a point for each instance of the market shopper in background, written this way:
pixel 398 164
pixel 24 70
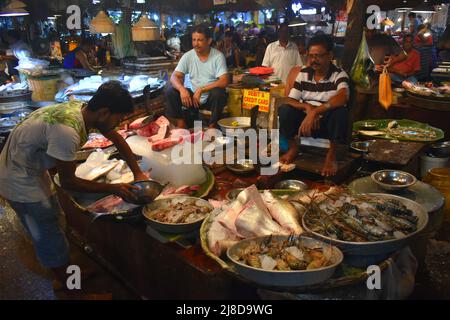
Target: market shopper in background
pixel 282 55
pixel 207 70
pixel 405 65
pixel 18 49
pixel 414 23
pixel 317 104
pixel 79 57
pixel 231 51
pixel 50 138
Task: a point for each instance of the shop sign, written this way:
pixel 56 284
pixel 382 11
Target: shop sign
pixel 253 98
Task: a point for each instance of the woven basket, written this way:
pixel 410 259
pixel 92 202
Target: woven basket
pixel 44 88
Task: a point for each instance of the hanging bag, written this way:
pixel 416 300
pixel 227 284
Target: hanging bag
pixel 385 89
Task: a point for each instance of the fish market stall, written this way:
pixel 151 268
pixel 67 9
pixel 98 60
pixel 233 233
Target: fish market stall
pixel 265 241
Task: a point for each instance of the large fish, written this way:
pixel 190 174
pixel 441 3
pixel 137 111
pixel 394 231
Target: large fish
pixel 254 222
pixel 284 213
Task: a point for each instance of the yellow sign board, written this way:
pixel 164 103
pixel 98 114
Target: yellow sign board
pixel 253 98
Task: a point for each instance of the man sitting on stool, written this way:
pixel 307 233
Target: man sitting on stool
pixel 317 103
pixel 207 71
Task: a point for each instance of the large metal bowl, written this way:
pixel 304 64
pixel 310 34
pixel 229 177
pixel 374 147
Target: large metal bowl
pixel 441 149
pixel 242 167
pixel 393 180
pixel 227 125
pixel 284 278
pixel 296 185
pixel 378 248
pixel 148 191
pixel 174 228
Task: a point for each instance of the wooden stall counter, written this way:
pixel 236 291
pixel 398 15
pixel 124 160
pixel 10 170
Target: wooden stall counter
pixel 145 265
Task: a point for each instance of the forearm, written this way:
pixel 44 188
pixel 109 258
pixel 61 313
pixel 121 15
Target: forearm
pixel 177 83
pixel 297 104
pixel 221 83
pixel 339 100
pixel 125 151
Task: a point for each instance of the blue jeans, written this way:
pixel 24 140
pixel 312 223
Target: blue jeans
pixel 399 79
pixel 40 220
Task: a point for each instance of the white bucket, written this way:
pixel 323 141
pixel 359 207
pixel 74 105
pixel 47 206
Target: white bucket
pixel 428 163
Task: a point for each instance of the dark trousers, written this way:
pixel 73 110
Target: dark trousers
pixel 333 124
pixel 217 100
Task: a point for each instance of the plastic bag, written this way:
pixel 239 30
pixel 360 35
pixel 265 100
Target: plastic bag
pixel 385 89
pixel 360 69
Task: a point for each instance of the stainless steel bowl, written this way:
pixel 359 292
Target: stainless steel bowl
pixel 149 191
pixel 362 146
pixel 173 228
pixel 245 166
pixel 296 185
pixel 441 149
pixel 393 180
pixel 285 278
pixel 377 248
pixel 229 124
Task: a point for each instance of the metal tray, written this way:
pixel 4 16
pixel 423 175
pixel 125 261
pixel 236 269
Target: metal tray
pixel 378 248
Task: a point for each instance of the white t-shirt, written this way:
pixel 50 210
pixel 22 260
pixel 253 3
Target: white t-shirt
pixel 281 59
pixel 32 148
pixel 202 73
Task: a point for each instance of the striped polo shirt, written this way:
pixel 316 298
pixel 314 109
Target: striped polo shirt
pixel 306 89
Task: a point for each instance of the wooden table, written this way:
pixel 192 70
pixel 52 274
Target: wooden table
pixel 150 268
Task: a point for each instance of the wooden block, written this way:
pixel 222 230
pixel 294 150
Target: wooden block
pixel 312 160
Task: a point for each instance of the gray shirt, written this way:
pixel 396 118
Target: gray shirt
pixel 49 134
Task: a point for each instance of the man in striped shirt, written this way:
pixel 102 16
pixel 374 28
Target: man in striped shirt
pixel 317 104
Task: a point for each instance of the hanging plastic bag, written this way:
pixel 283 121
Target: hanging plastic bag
pixel 385 89
pixel 360 69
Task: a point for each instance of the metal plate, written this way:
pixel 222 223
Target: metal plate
pixel 378 248
pixel 422 193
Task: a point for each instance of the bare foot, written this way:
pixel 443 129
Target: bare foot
pixel 331 166
pixel 290 156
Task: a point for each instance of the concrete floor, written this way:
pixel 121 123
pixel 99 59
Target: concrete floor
pixel 22 278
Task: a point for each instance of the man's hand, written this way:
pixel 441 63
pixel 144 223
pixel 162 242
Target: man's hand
pixel 124 190
pixel 141 176
pixel 186 98
pixel 196 98
pixel 310 124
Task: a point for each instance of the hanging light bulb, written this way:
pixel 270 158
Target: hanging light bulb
pixel 405 7
pixel 14 8
pixel 145 30
pixel 102 24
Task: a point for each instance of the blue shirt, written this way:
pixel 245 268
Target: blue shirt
pixel 202 73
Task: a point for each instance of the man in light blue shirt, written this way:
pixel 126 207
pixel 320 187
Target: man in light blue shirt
pixel 207 70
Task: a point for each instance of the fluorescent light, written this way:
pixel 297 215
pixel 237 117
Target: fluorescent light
pixel 296 22
pixel 15 8
pixel 308 11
